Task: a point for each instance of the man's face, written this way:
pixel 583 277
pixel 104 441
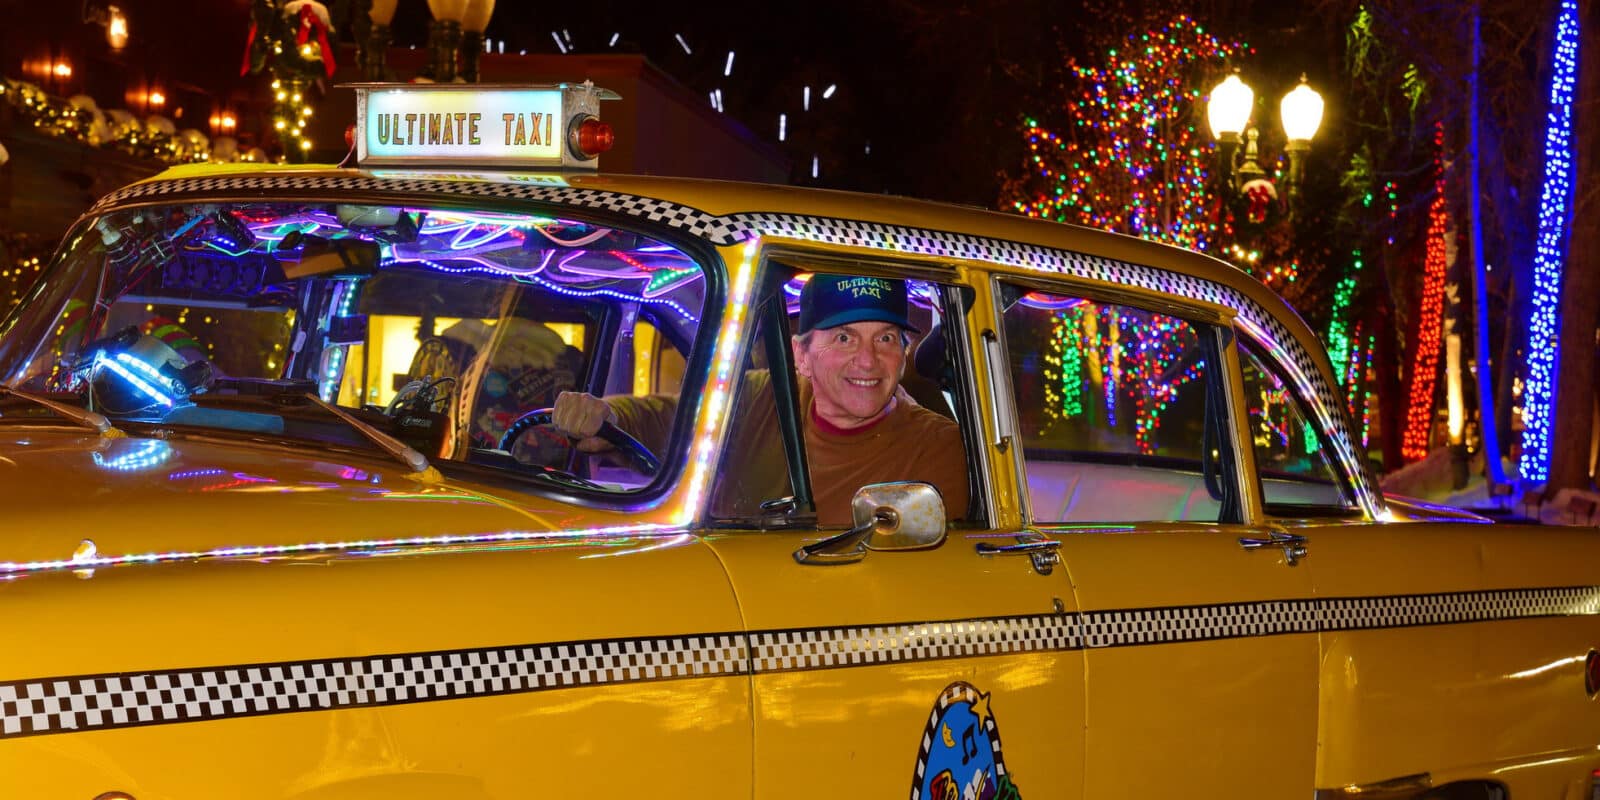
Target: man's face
pixel 854 369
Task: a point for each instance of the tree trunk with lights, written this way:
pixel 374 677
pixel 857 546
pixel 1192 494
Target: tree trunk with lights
pixel 1572 426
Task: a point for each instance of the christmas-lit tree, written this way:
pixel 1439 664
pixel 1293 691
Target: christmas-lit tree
pixel 1132 159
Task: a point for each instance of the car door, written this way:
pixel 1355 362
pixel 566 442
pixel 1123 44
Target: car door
pixel 935 672
pixel 1506 610
pixel 1200 650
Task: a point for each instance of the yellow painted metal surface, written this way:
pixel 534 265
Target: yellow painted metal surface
pixel 855 731
pixel 1236 715
pixel 1480 697
pixel 1206 707
pixel 376 600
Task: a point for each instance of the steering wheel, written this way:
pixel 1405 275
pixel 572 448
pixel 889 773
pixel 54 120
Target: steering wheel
pixel 639 457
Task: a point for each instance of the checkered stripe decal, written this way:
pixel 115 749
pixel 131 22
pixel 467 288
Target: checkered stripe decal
pixel 851 233
pixel 679 217
pixel 961 692
pixel 1161 625
pixel 1444 609
pixel 150 698
pixel 821 648
pixel 59 705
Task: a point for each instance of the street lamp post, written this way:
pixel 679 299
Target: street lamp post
pixel 1228 113
pixel 1301 114
pixel 444 37
pixel 474 22
pixel 375 50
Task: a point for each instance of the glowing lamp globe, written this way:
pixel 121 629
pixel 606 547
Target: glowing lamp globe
pixel 448 10
pixel 1301 112
pixel 476 17
pixel 1229 109
pixel 382 12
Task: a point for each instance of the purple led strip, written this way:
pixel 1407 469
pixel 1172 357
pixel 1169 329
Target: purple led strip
pixel 529 277
pixel 15 569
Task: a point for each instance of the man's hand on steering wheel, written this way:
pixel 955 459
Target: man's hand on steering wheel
pixel 589 423
pixel 580 416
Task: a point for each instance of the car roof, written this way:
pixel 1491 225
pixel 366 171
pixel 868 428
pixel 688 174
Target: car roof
pixel 729 198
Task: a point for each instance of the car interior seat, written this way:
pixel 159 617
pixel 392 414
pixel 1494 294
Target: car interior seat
pixel 929 381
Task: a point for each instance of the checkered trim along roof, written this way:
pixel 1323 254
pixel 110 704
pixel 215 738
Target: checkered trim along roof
pixel 731 229
pixel 677 216
pixel 53 705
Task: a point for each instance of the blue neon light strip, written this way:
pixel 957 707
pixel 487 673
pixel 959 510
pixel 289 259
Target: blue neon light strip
pixel 142 456
pixel 1550 253
pixel 116 365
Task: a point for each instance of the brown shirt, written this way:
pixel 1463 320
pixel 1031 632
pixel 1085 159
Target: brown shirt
pixel 910 444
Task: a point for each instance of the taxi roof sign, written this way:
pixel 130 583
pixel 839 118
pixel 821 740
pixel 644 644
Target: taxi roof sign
pixel 493 125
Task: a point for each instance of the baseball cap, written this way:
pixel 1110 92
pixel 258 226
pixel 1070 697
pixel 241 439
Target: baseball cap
pixel 828 301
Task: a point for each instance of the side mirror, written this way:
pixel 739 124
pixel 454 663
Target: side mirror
pixel 902 516
pixel 888 516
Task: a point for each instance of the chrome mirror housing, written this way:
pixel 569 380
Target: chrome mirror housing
pixel 901 516
pixel 905 515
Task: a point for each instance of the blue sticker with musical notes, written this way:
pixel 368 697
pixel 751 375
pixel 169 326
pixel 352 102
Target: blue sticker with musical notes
pixel 960 758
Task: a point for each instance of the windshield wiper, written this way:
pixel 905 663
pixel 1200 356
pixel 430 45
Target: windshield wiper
pixel 83 416
pixel 401 451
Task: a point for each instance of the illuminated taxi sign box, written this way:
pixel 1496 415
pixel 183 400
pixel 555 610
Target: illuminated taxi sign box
pixel 554 126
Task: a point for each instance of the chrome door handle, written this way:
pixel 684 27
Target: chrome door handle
pixel 1046 545
pixel 1041 551
pixel 1293 544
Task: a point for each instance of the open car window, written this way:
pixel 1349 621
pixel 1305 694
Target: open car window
pixel 782 467
pixel 444 329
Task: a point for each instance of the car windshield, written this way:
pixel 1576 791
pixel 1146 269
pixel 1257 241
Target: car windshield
pixel 359 326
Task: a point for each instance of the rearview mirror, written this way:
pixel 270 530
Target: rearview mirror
pixel 319 256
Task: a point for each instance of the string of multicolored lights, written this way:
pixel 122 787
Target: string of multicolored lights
pixel 1131 358
pixel 1133 162
pixel 1550 252
pixel 1430 316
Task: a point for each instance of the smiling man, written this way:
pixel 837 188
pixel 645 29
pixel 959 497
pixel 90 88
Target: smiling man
pixel 850 350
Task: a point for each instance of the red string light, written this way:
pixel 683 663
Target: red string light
pixel 1425 363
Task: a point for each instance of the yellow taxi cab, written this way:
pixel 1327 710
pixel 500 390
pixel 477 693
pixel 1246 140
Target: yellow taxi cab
pixel 285 514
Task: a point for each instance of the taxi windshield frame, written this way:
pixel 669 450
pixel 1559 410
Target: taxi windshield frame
pixel 16 360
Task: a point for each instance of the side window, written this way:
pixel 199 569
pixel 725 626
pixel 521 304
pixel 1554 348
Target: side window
pixel 1297 477
pixel 1118 410
pixel 864 400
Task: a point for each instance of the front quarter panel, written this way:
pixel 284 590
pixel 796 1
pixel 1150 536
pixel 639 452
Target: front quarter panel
pixel 558 667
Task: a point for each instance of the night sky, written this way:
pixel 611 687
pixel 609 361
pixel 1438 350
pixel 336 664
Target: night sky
pixel 936 89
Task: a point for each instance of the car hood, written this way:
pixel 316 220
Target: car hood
pixel 136 496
